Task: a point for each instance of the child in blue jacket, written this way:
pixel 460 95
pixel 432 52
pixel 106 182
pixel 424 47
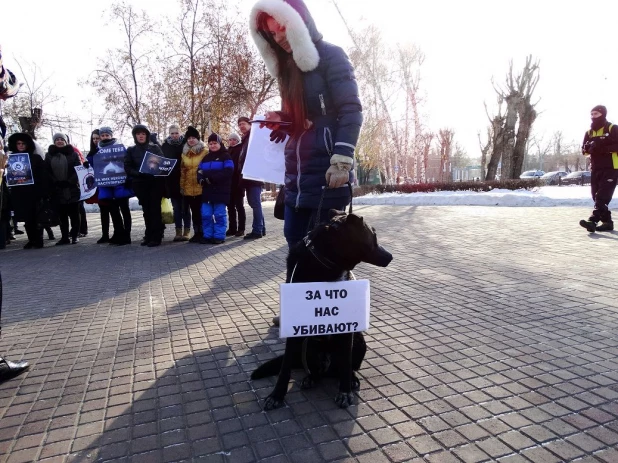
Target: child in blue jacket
pixel 215 175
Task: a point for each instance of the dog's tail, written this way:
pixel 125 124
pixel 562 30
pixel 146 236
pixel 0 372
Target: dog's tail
pixel 270 368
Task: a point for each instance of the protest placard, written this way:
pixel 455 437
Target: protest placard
pixel 156 165
pixel 265 160
pixel 109 165
pixel 87 184
pixel 19 171
pixel 314 309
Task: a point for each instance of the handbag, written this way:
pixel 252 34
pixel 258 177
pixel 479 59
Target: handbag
pixel 167 213
pixel 280 204
pixel 46 216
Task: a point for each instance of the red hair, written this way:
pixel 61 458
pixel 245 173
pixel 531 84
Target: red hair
pixel 289 78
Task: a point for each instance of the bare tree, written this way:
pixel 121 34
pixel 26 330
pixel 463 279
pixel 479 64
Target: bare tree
pixel 445 150
pixel 485 147
pixel 120 79
pixel 512 128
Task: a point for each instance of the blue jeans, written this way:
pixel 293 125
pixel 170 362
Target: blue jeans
pixel 214 220
pixel 254 198
pixel 182 214
pixel 296 222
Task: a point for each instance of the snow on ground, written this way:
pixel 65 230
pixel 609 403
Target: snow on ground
pixel 546 196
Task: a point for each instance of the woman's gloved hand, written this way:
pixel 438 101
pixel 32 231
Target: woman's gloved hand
pixel 338 174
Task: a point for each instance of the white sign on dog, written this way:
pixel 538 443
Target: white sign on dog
pixel 314 309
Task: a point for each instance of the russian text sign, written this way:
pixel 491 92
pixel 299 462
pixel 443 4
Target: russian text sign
pixel 314 309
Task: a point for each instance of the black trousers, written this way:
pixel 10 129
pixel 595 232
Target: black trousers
pixel 66 212
pixel 105 214
pixel 194 204
pixel 83 221
pixel 34 232
pixel 150 200
pixel 602 186
pixel 121 216
pixel 236 209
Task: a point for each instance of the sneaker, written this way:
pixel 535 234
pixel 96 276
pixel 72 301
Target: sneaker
pixel 253 236
pixel 74 240
pixel 82 235
pixel 588 225
pixel 239 233
pixel 102 240
pixel 605 226
pixel 63 241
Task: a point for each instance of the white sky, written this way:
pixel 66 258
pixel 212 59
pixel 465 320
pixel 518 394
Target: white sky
pixel 465 45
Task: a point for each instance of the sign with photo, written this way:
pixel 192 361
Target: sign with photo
pixel 109 165
pixel 156 165
pixel 19 170
pixel 87 184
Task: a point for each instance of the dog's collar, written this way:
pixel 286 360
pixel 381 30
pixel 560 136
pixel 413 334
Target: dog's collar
pixel 329 264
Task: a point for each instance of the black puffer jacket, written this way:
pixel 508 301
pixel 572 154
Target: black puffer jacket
pixel 237 189
pixel 133 161
pixel 61 163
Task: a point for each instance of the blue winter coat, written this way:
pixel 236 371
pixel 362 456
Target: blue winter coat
pixel 215 175
pixel 334 108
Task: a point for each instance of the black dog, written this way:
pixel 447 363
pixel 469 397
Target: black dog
pixel 328 253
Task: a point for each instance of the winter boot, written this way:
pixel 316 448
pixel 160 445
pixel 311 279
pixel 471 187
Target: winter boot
pixel 178 236
pixel 186 234
pixel 588 225
pixel 103 239
pixel 606 226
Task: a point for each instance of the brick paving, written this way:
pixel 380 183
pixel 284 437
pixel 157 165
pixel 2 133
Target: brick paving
pixel 494 338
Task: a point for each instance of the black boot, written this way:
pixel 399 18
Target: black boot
pixel 588 225
pixel 10 369
pixel 103 239
pixel 606 226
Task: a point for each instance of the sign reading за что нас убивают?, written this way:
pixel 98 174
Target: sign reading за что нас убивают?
pixel 314 309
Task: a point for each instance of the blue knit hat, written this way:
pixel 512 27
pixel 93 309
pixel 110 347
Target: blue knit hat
pixel 106 129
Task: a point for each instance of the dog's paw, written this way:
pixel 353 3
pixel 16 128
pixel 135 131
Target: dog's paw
pixel 355 383
pixel 272 402
pixel 344 399
pixel 307 382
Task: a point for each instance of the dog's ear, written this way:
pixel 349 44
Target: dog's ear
pixel 334 213
pixel 355 220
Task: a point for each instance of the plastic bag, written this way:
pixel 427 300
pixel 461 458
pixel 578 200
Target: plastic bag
pixel 167 213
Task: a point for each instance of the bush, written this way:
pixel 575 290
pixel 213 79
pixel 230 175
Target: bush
pixel 448 186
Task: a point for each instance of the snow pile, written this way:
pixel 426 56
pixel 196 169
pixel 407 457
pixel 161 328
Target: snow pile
pixel 547 196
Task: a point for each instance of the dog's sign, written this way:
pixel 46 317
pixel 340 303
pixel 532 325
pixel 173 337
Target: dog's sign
pixel 317 309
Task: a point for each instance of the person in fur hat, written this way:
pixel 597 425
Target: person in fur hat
pixel 193 152
pixel 25 198
pixel 214 174
pixel 601 144
pixel 319 97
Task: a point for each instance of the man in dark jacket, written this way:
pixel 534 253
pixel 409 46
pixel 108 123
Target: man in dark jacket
pixel 253 188
pixel 148 188
pixel 61 160
pixel 172 148
pixel 601 144
pixel 236 208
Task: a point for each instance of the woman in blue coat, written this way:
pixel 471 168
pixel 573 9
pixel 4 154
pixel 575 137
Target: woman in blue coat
pixel 320 99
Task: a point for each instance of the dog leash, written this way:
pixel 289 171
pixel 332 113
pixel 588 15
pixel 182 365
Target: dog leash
pixel 318 217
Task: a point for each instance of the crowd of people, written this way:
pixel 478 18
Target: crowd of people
pixel 205 186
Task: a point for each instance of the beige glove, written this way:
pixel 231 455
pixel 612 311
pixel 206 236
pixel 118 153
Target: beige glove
pixel 338 174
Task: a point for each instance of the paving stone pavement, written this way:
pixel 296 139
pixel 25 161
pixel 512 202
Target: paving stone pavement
pixel 494 337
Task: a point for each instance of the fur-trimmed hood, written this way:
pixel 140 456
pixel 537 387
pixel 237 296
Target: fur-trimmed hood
pixel 24 137
pixel 301 31
pixel 197 149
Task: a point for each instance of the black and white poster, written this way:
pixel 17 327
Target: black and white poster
pixel 156 165
pixel 109 166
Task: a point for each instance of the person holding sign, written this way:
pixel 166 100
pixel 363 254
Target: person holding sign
pixel 320 108
pixel 116 198
pixel 61 159
pixel 26 198
pixel 215 175
pixel 148 188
